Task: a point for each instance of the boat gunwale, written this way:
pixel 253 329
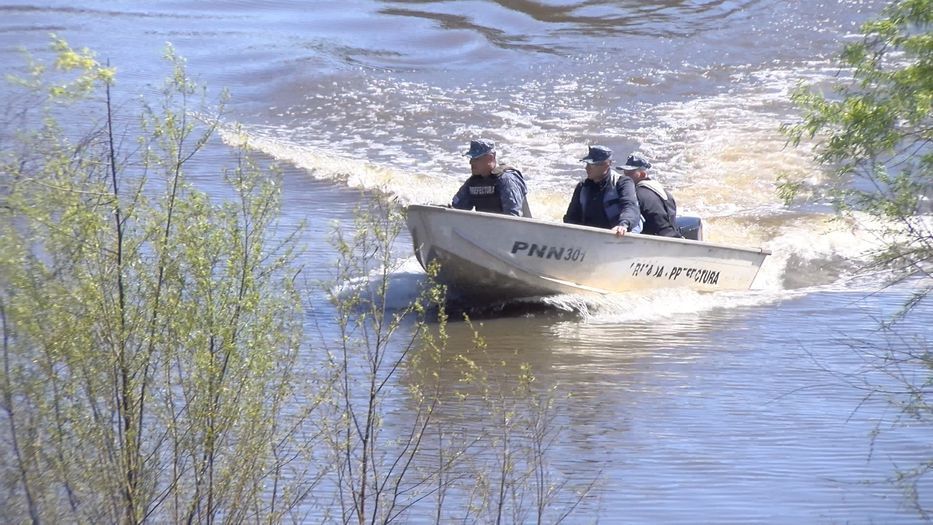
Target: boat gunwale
pixel 434 208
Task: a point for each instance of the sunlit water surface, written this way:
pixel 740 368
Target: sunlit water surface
pixel 687 408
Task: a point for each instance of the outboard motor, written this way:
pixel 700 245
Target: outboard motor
pixel 691 227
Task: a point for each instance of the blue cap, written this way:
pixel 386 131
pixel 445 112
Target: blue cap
pixel 480 147
pixel 634 162
pixel 597 154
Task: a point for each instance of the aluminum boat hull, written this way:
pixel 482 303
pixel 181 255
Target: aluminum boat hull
pixel 494 257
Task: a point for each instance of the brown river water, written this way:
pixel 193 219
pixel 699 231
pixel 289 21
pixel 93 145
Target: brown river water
pixel 688 408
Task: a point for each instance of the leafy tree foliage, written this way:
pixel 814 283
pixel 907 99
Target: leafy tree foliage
pixel 875 133
pixel 149 334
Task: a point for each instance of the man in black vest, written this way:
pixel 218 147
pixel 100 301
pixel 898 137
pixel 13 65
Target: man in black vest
pixel 603 200
pixel 491 188
pixel 657 206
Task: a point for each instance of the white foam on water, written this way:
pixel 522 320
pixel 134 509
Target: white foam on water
pixel 661 305
pixel 670 304
pixel 410 188
pixel 404 283
pixel 679 306
pixel 721 156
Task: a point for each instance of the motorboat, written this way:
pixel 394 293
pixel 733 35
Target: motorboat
pixel 498 258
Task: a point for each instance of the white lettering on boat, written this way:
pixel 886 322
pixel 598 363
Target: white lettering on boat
pixel 698 275
pixel 543 251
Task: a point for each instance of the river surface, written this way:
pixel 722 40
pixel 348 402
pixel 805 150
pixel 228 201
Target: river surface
pixel 688 408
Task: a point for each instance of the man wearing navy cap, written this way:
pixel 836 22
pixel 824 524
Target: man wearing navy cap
pixel 491 188
pixel 603 200
pixel 656 205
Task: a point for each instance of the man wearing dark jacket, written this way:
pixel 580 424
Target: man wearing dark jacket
pixel 603 200
pixel 491 188
pixel 657 206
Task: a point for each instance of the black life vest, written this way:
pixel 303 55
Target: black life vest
pixel 484 191
pixel 670 208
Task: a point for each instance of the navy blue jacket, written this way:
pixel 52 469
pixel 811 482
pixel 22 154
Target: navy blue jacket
pixel 595 213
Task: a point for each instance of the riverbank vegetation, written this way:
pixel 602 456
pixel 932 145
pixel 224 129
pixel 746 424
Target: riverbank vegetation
pixel 157 365
pixel 149 335
pixel 874 135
